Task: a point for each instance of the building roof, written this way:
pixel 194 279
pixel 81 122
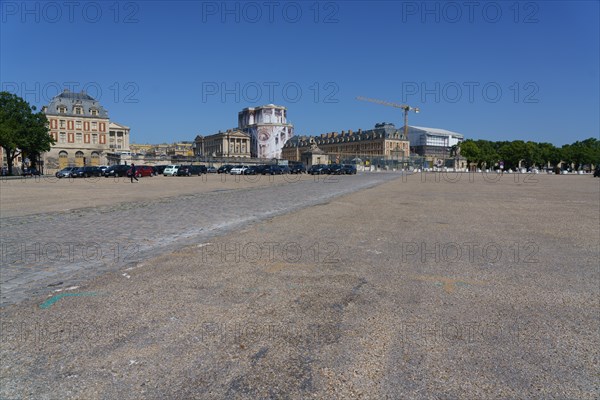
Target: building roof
pixel 72 99
pixel 383 130
pixel 261 107
pixel 435 131
pixel 115 125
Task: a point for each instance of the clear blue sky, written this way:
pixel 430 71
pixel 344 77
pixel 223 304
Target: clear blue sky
pixel 171 70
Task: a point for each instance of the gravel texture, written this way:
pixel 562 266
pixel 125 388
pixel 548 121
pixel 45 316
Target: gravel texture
pixel 422 286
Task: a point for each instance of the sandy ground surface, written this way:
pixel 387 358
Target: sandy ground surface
pixel 416 288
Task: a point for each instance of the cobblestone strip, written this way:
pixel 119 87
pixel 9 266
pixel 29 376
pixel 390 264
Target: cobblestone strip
pixel 70 247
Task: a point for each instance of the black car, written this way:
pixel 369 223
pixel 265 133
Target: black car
pixel 189 170
pixel 253 170
pixel 30 172
pixel 224 169
pixel 597 172
pixel 349 169
pixel 86 172
pixel 284 169
pixel 318 169
pixel 116 170
pixel 272 170
pixel 336 169
pixel 297 169
pixel 158 169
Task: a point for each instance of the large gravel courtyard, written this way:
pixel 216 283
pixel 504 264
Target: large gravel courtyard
pixel 369 286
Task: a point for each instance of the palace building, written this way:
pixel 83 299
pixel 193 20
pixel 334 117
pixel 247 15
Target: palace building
pixel 268 129
pixel 83 132
pixel 231 143
pixel 382 141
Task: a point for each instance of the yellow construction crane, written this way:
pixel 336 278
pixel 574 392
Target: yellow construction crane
pixel 405 107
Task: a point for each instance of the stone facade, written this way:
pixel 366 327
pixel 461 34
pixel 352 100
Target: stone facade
pixel 382 141
pixel 82 131
pixel 231 143
pixel 268 128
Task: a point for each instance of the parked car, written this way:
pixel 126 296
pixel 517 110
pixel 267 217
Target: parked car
pixel 284 169
pixel 170 170
pixel 116 170
pixel 349 169
pixel 211 170
pixel 336 169
pixel 103 168
pixel 159 169
pixel 86 172
pixel 318 169
pixel 238 170
pixel 272 170
pixel 65 172
pixel 224 169
pixel 253 170
pixel 297 169
pixel 30 172
pixel 189 170
pixel 597 171
pixel 141 171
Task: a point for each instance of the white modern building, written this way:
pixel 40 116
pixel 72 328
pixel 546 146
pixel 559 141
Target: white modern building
pixel 268 129
pixel 432 143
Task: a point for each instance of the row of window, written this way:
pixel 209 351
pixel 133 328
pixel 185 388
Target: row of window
pixel 77 110
pixel 78 137
pixel 63 124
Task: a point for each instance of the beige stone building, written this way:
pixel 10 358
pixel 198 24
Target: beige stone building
pixel 382 141
pixel 82 131
pixel 231 143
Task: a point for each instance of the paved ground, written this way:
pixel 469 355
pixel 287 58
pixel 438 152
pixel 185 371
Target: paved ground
pixel 414 288
pixel 124 222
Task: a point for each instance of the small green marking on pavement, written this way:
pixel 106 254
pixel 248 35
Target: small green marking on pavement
pixel 48 303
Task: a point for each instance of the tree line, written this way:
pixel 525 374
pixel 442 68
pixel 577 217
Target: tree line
pixel 580 154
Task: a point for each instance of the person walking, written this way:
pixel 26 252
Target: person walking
pixel 132 176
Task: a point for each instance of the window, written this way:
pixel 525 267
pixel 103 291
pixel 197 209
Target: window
pixel 62 138
pixel 78 137
pixel 94 138
pixel 62 109
pixel 78 110
pixel 62 124
pixel 77 124
pixel 94 126
pixel 93 111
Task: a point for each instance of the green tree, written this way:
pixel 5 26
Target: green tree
pixel 470 151
pixel 22 130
